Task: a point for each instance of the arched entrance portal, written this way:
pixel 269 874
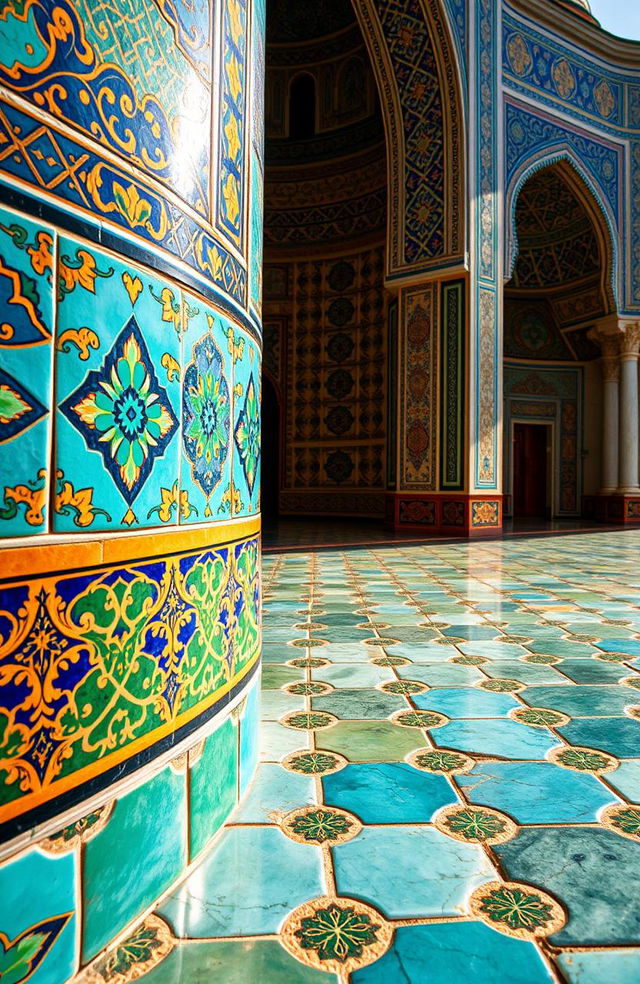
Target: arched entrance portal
pixel 364 200
pixel 559 291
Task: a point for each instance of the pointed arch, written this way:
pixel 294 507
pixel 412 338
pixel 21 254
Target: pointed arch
pixel 419 82
pixel 584 187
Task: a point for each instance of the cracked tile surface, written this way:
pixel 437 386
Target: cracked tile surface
pixel 496 645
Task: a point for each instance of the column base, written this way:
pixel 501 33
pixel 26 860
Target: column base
pixel 613 508
pixel 444 513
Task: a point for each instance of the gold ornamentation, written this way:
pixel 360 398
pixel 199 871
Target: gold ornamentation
pixel 133 286
pixel 519 55
pixel 171 365
pixel 604 98
pixel 564 79
pixel 35 499
pixel 83 338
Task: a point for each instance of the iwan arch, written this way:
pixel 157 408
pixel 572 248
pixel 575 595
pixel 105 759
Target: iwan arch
pixel 451 297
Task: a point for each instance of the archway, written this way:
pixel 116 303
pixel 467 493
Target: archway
pixel 372 192
pixel 561 286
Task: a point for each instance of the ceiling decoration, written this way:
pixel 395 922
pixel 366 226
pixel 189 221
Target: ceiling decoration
pixel 557 243
pixel 298 23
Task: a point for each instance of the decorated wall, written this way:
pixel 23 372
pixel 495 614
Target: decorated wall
pixel 130 380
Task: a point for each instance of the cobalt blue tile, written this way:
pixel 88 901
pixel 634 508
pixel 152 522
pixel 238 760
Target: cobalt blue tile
pixel 466 702
pixel 234 892
pixel 118 392
pixel 536 792
pixel 409 871
pixel 454 952
pixel 27 251
pixel 387 792
pixel 506 738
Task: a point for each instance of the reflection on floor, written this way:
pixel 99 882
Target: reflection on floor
pixel 293 534
pixel 451 758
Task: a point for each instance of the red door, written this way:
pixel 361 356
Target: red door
pixel 530 470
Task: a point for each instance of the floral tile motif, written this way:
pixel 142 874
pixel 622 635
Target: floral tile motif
pixel 419 719
pixel 316 763
pixel 246 429
pixel 624 820
pixel 517 910
pixel 321 825
pixel 475 824
pixel 336 934
pixel 79 832
pixel 206 402
pixel 442 762
pixel 26 393
pixel 539 717
pixel 583 759
pixel 131 959
pixel 308 721
pixel 118 417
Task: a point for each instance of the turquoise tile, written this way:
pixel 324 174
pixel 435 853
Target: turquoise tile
pixel 616 966
pixel 207 412
pixel 213 786
pixel 246 425
pixel 135 348
pixel 273 792
pixel 252 902
pixel 590 671
pixel 249 735
pixel 536 792
pixel 583 701
pixel 387 792
pixel 466 702
pixel 276 741
pixel 592 871
pixel 27 251
pixel 117 887
pixel 453 952
pixel 529 673
pixel 618 736
pixel 442 675
pixel 38 896
pixel 508 739
pixel 626 779
pixel 409 871
pixel 350 675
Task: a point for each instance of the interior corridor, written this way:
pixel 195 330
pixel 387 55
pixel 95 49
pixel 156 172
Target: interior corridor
pixel 450 761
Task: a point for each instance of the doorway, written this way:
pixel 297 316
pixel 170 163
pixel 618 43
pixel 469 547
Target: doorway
pixel 532 446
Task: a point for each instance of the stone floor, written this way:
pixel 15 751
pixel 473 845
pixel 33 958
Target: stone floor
pixel 450 763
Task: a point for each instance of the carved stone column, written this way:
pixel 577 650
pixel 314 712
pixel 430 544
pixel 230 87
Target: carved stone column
pixel 628 466
pixel 610 346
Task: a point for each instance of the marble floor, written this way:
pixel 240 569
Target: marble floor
pixel 450 774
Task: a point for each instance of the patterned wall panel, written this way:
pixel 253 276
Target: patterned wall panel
pixel 335 338
pixel 111 119
pixel 452 385
pixel 419 376
pixel 26 391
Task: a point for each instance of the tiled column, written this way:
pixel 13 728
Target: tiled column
pixel 610 413
pixel 628 471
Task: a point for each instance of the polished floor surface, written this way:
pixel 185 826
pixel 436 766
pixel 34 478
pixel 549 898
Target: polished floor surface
pixel 450 763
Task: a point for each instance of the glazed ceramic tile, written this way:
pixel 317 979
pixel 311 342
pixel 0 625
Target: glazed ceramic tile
pixel 207 410
pixel 27 251
pixel 213 785
pixel 118 393
pixel 116 888
pixel 247 385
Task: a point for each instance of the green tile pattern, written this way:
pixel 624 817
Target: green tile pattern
pixel 496 607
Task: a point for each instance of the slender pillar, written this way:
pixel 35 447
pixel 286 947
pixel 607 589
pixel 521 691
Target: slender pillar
pixel 628 470
pixel 610 413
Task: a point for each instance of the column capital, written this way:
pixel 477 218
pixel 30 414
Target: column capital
pixel 630 340
pixel 610 326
